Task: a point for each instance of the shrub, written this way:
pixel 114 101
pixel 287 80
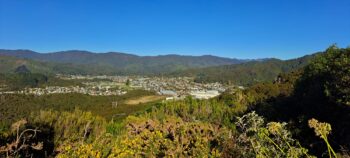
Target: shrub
pixel 257 139
pixel 171 137
pixel 76 126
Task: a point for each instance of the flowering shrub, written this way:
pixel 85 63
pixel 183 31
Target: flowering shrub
pixel 171 137
pixel 83 151
pixel 71 126
pixel 257 139
pixel 323 130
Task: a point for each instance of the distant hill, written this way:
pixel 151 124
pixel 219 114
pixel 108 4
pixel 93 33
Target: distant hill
pixel 121 63
pixel 9 64
pixel 246 73
pixel 205 68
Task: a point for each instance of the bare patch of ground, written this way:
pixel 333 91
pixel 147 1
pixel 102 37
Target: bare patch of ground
pixel 144 99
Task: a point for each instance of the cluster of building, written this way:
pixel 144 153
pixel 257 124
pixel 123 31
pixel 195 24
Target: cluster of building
pixel 75 89
pixel 173 87
pixel 119 79
pixel 94 91
pixel 178 87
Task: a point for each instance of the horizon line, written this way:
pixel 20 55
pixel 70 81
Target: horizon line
pixel 169 54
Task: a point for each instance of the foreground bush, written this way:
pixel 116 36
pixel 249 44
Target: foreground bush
pixel 163 132
pixel 171 137
pixel 70 126
pixel 144 137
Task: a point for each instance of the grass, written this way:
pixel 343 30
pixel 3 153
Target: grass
pixel 144 99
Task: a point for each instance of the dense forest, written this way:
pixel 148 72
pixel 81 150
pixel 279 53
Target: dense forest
pixel 248 73
pixel 22 77
pixel 303 113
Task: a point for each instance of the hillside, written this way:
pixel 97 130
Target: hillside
pixel 121 63
pixel 8 64
pixel 246 73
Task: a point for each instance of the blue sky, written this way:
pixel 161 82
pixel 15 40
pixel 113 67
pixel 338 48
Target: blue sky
pixel 229 28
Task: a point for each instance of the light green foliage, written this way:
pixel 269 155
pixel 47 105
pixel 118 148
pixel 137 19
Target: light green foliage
pixel 179 129
pixel 77 126
pixel 162 132
pixel 258 139
pixel 171 137
pixel 212 111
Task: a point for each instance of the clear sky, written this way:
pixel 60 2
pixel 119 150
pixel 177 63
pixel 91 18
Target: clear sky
pixel 229 28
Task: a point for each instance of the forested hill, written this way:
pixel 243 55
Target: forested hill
pixel 9 64
pixel 246 73
pixel 121 63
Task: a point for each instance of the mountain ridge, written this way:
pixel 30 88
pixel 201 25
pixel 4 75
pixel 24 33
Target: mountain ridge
pixel 247 73
pixel 123 63
pixel 20 52
pixel 206 68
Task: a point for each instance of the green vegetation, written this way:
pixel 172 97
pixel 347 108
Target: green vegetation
pixel 278 119
pixel 318 91
pixel 19 81
pixel 127 82
pixel 17 106
pixel 22 80
pixel 248 73
pixel 9 64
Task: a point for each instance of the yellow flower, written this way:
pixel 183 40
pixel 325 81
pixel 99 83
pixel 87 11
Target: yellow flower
pixel 322 129
pixel 275 128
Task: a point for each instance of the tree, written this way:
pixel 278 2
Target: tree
pixel 332 70
pixel 127 82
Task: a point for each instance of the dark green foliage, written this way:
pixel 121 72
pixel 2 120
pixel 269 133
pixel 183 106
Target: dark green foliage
pixel 247 73
pixel 22 69
pixel 22 80
pixel 319 91
pixel 332 71
pixel 19 81
pixel 127 82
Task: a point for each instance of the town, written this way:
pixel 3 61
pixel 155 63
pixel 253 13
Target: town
pixel 172 87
